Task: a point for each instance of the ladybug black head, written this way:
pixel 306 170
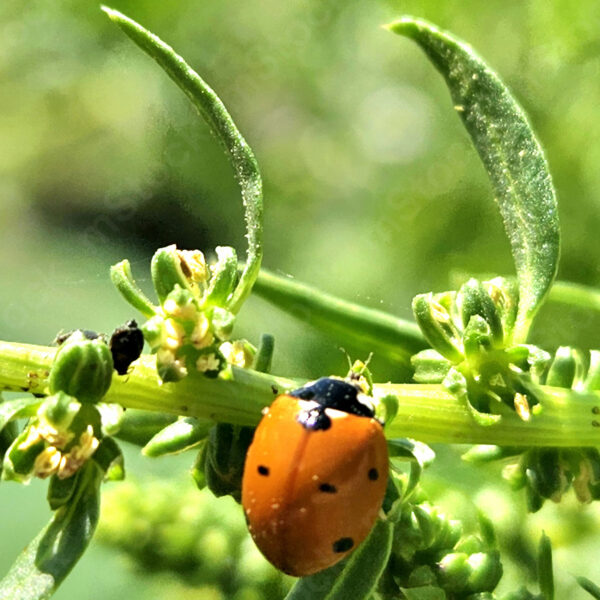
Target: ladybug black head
pixel 334 393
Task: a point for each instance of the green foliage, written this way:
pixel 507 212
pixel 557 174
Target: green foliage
pixel 47 560
pixel 478 373
pixel 215 114
pixel 512 156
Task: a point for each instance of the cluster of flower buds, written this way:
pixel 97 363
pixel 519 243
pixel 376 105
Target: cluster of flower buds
pixel 65 430
pixel 472 351
pixel 190 328
pixel 547 473
pixel 55 441
pixel 431 558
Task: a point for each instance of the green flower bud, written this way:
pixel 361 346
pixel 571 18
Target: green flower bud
pixel 222 322
pixel 20 458
pixel 55 416
pixel 154 331
pixel 169 367
pixel 464 573
pixel 477 337
pixel 430 366
pixel 210 361
pixel 223 277
pixel 454 572
pixel 504 293
pixel 225 457
pixel 240 353
pixel 567 369
pixel 486 571
pixel 437 326
pixel 171 267
pixel 474 300
pixel 82 368
pixel 421 576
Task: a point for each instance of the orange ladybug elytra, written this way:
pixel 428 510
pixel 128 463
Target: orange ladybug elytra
pixel 315 476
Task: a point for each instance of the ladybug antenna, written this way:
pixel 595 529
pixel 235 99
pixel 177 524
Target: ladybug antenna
pixel 348 358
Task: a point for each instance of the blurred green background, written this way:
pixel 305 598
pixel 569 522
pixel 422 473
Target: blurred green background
pixel 372 192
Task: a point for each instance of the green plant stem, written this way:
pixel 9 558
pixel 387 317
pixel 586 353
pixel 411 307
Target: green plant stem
pixel 376 330
pixel 575 294
pixel 425 412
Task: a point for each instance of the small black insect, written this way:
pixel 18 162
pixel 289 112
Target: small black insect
pixel 126 345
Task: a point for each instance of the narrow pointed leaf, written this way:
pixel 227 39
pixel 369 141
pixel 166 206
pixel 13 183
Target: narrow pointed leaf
pixel 120 275
pixel 545 571
pixel 591 588
pixel 184 434
pixel 373 330
pixel 221 124
pixel 511 155
pixel 47 560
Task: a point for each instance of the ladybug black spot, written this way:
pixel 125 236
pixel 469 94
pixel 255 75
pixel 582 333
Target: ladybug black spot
pixel 343 545
pixel 315 419
pixel 328 488
pixel 262 470
pixel 373 474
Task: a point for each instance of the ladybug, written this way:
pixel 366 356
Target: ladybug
pixel 315 476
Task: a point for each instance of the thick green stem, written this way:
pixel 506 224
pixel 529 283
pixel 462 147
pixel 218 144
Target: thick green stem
pixel 575 294
pixel 426 412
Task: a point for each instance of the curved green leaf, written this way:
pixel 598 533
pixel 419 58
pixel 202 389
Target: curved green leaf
pixel 48 559
pixel 120 275
pixel 511 155
pixel 184 434
pixel 221 124
pixel 591 588
pixel 373 330
pixel 355 578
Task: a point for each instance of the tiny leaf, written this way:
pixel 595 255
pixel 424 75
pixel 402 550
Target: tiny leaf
pixel 512 156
